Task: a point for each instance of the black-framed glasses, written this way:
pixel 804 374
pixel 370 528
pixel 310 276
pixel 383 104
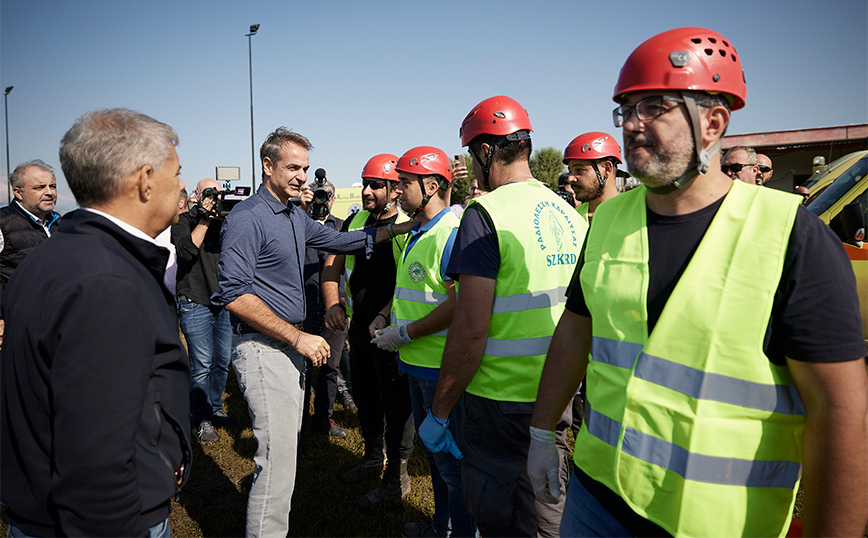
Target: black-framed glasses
pixel 765 169
pixel 736 167
pixel 646 110
pixel 374 184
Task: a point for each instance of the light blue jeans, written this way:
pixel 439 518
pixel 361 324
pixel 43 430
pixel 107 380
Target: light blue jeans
pixel 271 376
pixel 209 340
pixel 445 470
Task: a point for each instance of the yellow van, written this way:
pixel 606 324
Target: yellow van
pixel 843 205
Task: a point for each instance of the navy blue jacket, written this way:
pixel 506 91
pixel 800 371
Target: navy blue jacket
pixel 93 376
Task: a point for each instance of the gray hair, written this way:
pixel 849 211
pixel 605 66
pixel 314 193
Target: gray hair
pixel 274 144
pixel 16 178
pixel 104 147
pixel 751 153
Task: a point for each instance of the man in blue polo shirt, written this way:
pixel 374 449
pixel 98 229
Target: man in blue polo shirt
pixel 263 243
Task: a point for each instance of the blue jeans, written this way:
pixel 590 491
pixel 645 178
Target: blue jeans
pixel 445 470
pixel 209 338
pixel 585 516
pixel 271 376
pixel 160 530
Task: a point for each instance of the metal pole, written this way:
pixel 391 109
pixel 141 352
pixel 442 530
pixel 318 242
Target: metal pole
pixel 253 29
pixel 6 113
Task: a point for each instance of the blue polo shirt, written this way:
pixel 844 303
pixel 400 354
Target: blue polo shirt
pixel 262 247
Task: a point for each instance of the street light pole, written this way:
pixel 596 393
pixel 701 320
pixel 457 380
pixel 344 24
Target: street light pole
pixel 253 29
pixel 6 112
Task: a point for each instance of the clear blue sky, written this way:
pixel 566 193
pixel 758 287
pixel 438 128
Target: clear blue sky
pixel 361 78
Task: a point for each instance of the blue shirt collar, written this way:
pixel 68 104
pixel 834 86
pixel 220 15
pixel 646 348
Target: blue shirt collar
pixel 272 201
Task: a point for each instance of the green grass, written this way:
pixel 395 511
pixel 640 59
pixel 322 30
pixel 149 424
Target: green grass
pixel 213 503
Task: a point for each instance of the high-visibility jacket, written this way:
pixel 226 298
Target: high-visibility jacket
pixel 419 289
pixel 539 237
pixel 583 211
pixel 692 425
pixel 357 222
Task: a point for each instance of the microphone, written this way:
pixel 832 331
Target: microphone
pixel 320 175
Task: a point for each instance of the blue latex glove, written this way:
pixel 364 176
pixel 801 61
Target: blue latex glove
pixel 435 435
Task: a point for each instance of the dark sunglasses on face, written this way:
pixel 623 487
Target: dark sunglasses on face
pixel 765 169
pixel 374 184
pixel 735 168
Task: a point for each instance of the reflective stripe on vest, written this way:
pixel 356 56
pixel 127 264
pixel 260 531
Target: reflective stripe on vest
pixel 692 425
pixel 419 289
pixel 710 469
pixel 539 238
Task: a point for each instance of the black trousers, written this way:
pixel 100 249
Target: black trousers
pixel 382 395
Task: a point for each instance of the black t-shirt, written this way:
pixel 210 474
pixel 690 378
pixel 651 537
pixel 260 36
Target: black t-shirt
pixel 815 312
pixel 197 266
pixel 372 283
pixel 476 250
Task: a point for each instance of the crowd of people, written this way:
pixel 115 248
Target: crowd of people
pixel 674 325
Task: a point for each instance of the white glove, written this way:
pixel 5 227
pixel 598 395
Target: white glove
pixel 392 337
pixel 542 465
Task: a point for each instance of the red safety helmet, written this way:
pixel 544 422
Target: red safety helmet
pixel 593 146
pixel 499 116
pixel 685 59
pixel 426 161
pixel 381 166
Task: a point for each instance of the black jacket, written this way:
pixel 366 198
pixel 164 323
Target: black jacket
pixel 93 376
pixel 21 234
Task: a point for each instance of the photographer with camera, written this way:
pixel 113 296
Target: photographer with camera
pixel 329 381
pixel 206 328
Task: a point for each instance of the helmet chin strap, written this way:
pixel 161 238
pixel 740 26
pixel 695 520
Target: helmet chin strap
pixel 702 157
pixel 389 205
pixel 600 180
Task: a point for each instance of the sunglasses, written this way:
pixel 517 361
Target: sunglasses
pixel 374 184
pixel 765 169
pixel 736 168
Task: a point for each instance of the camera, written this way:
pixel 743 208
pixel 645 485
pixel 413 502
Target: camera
pixel 224 201
pixel 322 195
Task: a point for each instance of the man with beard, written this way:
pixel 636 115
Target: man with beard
pixel 514 254
pixel 726 350
pixel 380 391
pixel 592 160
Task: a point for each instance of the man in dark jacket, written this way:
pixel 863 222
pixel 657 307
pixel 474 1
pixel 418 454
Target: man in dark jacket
pixel 93 376
pixel 29 219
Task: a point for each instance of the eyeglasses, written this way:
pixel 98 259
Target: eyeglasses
pixel 374 184
pixel 765 169
pixel 646 110
pixel 736 168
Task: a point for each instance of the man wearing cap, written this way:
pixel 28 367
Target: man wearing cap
pixel 592 161
pixel 708 388
pixel 421 312
pixel 514 255
pixel 380 391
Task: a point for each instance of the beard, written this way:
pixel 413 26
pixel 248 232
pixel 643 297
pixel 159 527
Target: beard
pixel 663 165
